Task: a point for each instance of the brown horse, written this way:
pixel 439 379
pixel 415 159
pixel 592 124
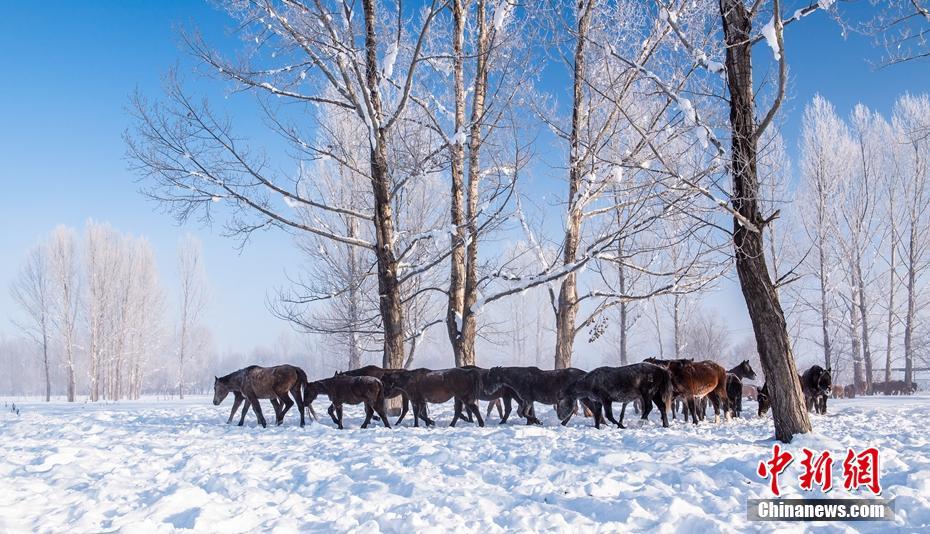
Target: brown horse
pixel 343 389
pixel 694 380
pixel 462 385
pixel 839 392
pixel 256 382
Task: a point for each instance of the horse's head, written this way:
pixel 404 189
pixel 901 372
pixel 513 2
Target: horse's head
pixel 565 407
pixel 494 381
pixel 747 370
pixel 220 390
pixel 311 392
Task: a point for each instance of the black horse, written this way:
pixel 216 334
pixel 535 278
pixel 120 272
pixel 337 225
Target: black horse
pixel 817 385
pixel 644 382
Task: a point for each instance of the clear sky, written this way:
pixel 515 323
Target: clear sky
pixel 68 69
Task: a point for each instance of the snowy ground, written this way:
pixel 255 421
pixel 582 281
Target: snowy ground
pixel 165 466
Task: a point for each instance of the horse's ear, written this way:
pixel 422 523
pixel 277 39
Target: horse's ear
pixel 216 378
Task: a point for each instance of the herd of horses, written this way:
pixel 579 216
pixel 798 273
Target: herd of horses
pixel 669 385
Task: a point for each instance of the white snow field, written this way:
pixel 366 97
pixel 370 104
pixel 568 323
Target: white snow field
pixel 172 466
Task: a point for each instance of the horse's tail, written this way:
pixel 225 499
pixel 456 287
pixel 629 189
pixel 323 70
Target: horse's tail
pixel 302 377
pixel 666 390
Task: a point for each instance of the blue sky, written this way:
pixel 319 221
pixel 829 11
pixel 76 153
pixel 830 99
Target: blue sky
pixel 69 68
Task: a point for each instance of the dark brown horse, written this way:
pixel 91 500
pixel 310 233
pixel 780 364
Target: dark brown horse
pixel 502 400
pixel 343 389
pixel 379 372
pixel 531 385
pixel 462 385
pixel 256 382
pixel 694 380
pixel 643 382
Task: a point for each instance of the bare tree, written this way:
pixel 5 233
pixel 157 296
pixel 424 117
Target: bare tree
pixel 32 290
pixel 193 157
pixel 192 300
pixel 64 264
pixel 825 163
pixel 912 124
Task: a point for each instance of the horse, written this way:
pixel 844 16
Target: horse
pixel 502 400
pixel 763 399
pixel 817 385
pixel 838 392
pixel 642 382
pixel 734 385
pixel 694 380
pixel 850 391
pixel 379 373
pixel 343 389
pixel 462 385
pixel 532 384
pixel 750 392
pixel 256 382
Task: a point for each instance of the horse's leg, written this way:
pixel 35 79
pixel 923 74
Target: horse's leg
pixel 379 407
pixel 339 413
pixel 623 410
pixel 473 406
pixel 405 403
pixel 647 408
pixel 257 408
pixel 692 406
pixel 715 401
pixel 236 403
pixel 286 402
pixel 458 411
pixel 609 412
pixel 660 404
pixel 299 399
pixel 276 405
pixel 245 410
pixel 508 407
pixel 369 411
pixel 332 413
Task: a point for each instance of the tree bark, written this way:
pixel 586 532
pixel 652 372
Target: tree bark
pixel 858 379
pixel 567 309
pixel 911 307
pixel 391 301
pixel 864 318
pixel 455 313
pixel 889 333
pixel 759 292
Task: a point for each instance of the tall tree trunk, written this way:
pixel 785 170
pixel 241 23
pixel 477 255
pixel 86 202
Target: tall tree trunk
pixel 71 384
pixel 824 308
pixel 768 320
pixel 864 318
pixel 391 301
pixel 48 378
pixel 567 309
pixel 911 307
pixel 856 347
pixel 455 313
pixel 355 353
pixel 676 324
pixel 889 333
pixel 479 92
